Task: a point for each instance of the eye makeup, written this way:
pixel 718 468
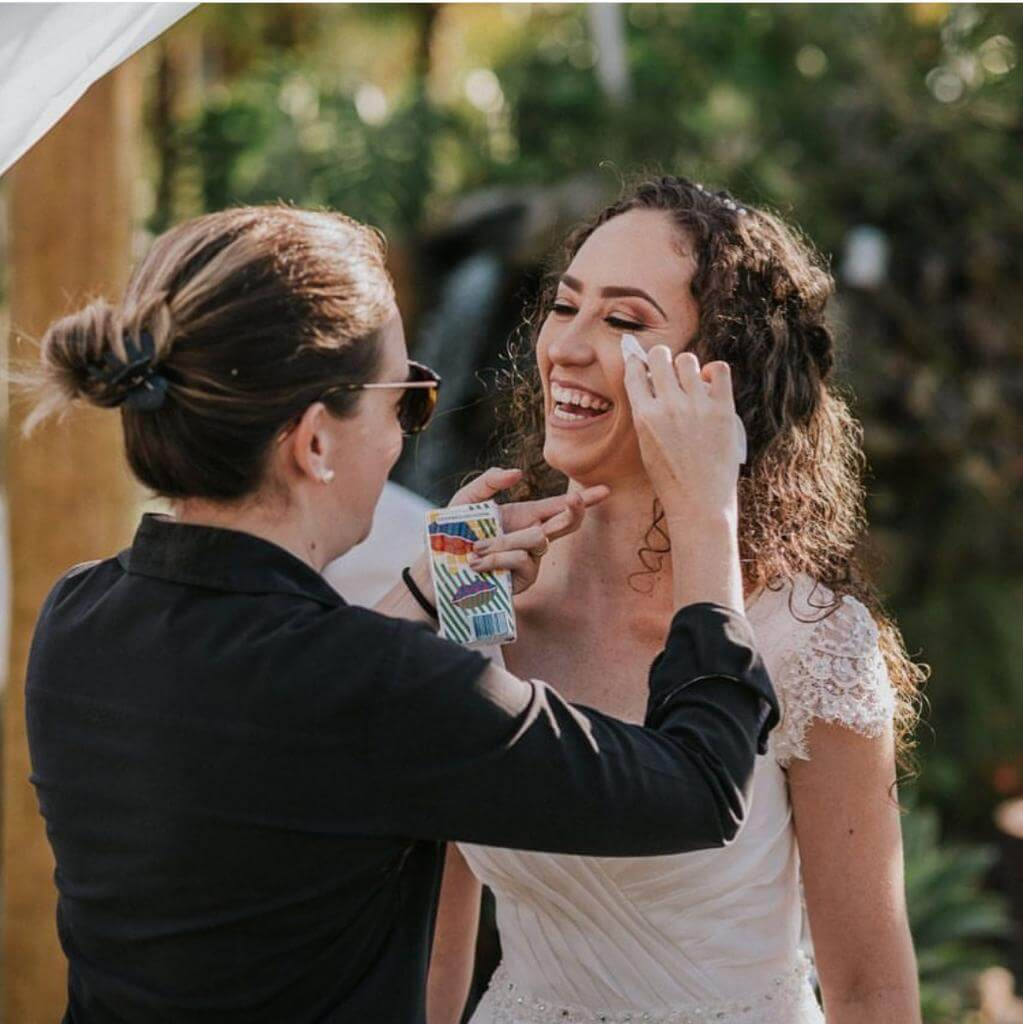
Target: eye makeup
pixel 624 325
pixel 619 323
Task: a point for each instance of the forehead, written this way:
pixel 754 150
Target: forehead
pixel 641 248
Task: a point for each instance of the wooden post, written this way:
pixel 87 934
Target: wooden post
pixel 70 497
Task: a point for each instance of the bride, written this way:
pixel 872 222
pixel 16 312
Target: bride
pixel 710 936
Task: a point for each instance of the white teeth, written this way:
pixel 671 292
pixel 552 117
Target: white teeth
pixel 567 396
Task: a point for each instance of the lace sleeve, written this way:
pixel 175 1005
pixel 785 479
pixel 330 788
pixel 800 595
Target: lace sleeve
pixel 834 672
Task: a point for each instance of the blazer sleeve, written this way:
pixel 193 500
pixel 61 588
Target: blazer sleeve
pixel 465 751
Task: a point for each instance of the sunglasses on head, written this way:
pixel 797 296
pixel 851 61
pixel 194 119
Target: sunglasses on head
pixel 417 403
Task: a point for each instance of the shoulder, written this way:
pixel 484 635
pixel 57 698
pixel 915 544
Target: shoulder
pixel 803 616
pixel 78 579
pixel 828 666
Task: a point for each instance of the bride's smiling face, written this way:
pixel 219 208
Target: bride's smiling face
pixel 632 275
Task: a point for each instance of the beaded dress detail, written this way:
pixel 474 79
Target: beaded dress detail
pixel 714 936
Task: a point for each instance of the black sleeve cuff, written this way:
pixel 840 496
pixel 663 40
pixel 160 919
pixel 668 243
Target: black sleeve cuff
pixel 710 641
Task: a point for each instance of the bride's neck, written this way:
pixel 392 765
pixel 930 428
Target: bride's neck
pixel 601 562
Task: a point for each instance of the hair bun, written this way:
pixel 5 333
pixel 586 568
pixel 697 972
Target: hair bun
pixel 71 349
pixel 77 343
pixel 84 356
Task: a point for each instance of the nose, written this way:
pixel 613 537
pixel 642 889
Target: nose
pixel 568 346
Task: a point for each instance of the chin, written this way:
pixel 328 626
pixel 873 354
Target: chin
pixel 598 462
pixel 578 462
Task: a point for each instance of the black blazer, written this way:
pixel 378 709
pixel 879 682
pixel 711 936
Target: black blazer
pixel 247 782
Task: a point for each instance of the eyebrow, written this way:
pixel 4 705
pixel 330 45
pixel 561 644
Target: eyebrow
pixel 614 292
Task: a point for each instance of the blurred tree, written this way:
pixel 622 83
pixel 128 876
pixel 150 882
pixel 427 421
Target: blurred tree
pixel 953 919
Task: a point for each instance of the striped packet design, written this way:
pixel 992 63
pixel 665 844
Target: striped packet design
pixel 474 608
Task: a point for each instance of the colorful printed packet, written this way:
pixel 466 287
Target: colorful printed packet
pixel 475 608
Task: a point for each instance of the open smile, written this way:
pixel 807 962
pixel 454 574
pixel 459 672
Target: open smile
pixel 575 406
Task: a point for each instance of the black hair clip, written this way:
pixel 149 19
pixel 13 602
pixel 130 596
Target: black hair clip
pixel 144 388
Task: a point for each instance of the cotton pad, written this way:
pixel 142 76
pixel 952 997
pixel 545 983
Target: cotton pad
pixel 631 347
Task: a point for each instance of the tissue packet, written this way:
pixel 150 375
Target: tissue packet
pixel 474 608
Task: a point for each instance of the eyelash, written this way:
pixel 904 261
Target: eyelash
pixel 615 321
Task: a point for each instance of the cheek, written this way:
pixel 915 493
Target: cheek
pixel 379 438
pixel 390 438
pixel 614 375
pixel 543 362
pixel 395 447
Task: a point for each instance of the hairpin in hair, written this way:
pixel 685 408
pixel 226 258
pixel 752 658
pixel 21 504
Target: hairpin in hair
pixel 143 388
pixel 729 204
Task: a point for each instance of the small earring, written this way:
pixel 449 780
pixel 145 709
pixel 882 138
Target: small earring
pixel 326 476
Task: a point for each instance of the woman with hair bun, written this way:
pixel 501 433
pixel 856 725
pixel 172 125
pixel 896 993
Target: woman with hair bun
pixel 247 781
pixel 715 935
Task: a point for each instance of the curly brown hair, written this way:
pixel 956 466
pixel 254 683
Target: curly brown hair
pixel 761 288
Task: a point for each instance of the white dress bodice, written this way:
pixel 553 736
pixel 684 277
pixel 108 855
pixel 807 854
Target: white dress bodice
pixel 707 936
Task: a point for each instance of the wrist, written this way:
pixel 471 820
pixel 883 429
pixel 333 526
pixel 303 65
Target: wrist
pixel 690 526
pixel 420 573
pixel 705 561
pixel 422 594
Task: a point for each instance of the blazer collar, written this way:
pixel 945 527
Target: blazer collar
pixel 221 559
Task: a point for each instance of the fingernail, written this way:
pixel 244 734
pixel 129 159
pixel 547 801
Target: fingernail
pixel 474 559
pixel 480 547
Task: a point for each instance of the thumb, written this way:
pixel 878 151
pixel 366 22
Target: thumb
pixel 486 485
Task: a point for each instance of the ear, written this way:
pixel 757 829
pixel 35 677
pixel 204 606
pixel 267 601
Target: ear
pixel 311 448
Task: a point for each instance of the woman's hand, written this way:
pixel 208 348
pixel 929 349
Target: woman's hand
pixel 529 526
pixel 685 421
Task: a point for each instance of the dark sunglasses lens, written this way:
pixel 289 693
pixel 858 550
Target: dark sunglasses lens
pixel 418 403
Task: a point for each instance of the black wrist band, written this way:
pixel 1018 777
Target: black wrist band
pixel 420 597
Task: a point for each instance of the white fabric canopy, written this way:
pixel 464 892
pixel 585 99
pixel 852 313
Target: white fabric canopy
pixel 51 53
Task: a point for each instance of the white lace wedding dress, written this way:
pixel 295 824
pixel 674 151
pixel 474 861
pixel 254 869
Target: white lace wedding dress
pixel 701 937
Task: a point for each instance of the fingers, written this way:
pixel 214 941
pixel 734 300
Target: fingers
pixel 486 485
pixel 569 511
pixel 594 495
pixel 524 567
pixel 534 538
pixel 637 384
pixel 665 379
pixel 522 550
pixel 719 376
pixel 687 373
pixel 525 513
pixel 568 521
